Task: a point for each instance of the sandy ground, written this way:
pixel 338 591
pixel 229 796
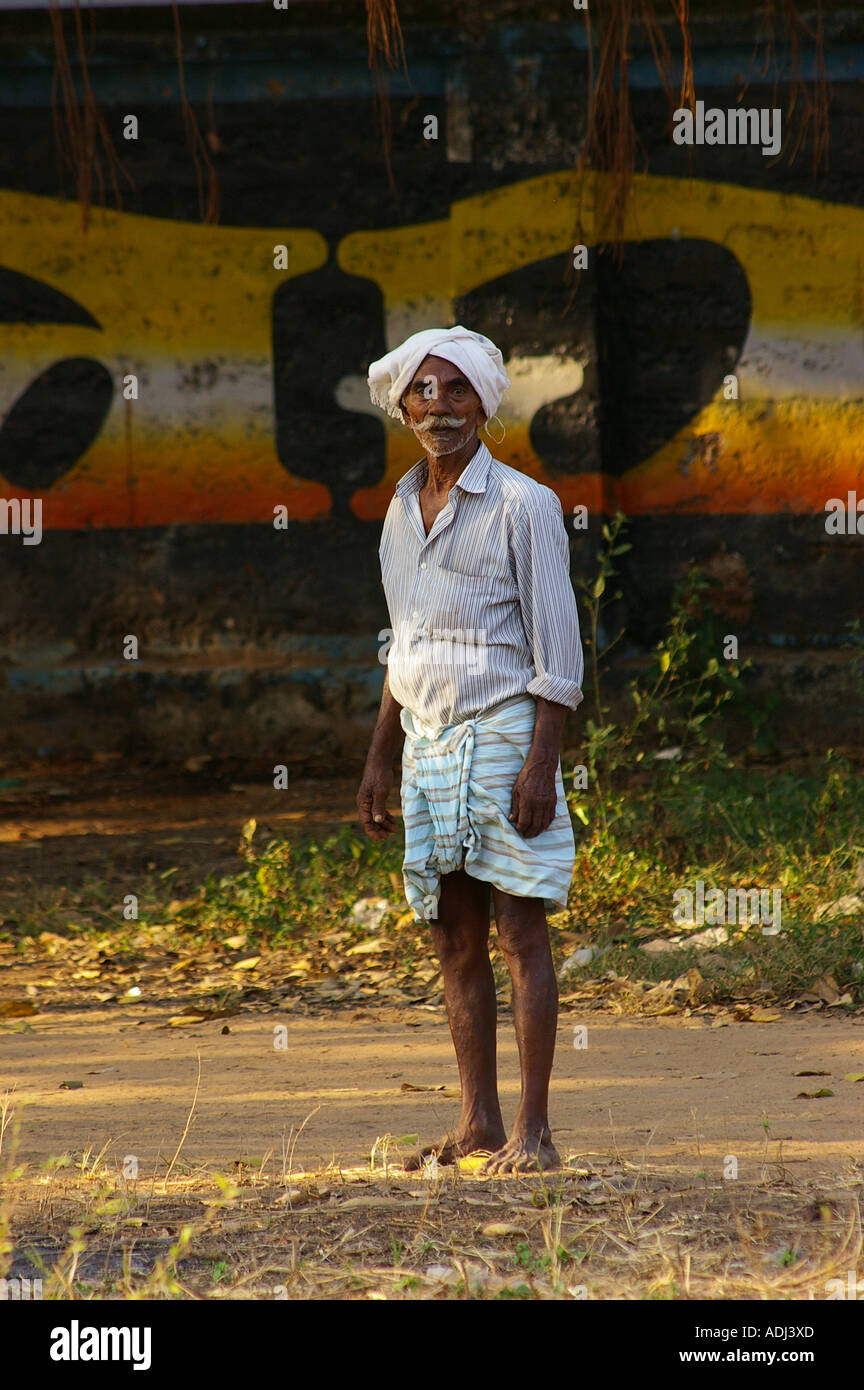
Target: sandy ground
pixel 645 1117
pixel 674 1093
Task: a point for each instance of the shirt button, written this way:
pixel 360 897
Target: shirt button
pixel 422 564
pixel 415 614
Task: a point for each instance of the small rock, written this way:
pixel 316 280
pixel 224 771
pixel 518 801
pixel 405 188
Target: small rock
pixel 370 912
pixel 660 944
pixel 294 1195
pixel 847 906
pixel 583 956
pixel 711 936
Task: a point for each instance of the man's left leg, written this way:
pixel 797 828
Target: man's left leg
pixel 523 935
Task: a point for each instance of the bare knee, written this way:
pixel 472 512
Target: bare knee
pixel 460 947
pixel 523 937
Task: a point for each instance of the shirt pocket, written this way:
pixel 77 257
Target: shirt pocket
pixel 478 554
pixel 470 601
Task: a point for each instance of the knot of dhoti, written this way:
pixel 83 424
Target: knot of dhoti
pixel 457 785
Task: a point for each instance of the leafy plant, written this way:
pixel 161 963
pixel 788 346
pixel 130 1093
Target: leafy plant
pixel 684 688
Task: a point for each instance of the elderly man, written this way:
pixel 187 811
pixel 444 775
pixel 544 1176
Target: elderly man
pixel 485 662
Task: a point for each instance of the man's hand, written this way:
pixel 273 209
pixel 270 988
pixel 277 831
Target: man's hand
pixel 377 778
pixel 375 786
pixel 532 806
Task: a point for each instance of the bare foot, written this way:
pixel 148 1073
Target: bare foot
pixel 525 1153
pixel 450 1150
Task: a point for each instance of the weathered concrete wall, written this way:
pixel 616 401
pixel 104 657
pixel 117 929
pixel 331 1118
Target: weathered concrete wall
pixel 158 511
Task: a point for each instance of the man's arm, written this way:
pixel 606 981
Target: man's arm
pixel 377 778
pixel 541 554
pixel 550 618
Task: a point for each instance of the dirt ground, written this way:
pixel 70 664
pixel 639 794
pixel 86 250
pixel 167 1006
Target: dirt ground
pixel 311 1137
pixel 674 1094
pixel 701 1118
pixel 112 817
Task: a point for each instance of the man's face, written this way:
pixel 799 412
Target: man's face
pixel 441 407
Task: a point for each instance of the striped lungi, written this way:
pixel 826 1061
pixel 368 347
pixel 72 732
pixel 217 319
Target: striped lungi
pixel 457 784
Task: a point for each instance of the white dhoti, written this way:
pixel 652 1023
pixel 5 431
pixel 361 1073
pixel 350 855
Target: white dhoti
pixel 457 784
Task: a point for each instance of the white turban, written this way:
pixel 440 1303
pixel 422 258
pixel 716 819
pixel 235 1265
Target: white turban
pixel 476 357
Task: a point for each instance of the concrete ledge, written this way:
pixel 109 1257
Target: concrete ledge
pixel 265 707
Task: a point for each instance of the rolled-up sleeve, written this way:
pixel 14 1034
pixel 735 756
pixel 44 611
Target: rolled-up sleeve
pixel 541 556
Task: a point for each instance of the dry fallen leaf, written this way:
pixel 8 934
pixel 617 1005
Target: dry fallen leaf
pixel 475 1163
pixel 826 989
pixel 502 1228
pixel 367 948
pixel 854 1076
pixel 208 1014
pixel 354 1202
pixel 52 942
pixel 18 1008
pixel 814 1095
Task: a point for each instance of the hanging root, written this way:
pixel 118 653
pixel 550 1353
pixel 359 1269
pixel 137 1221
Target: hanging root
pixel 384 39
pixel 75 137
pixel 77 125
pixel 610 138
pixel 194 139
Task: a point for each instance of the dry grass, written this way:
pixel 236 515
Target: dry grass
pixel 610 1230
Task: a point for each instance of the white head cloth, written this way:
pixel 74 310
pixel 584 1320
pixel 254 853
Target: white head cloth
pixel 476 356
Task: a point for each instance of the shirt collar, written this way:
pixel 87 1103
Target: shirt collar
pixel 473 477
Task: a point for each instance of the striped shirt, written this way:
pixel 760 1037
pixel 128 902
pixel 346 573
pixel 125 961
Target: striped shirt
pixel 482 608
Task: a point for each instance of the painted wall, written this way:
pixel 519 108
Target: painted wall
pixel 249 341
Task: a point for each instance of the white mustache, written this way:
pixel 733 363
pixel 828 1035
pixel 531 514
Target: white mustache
pixel 437 422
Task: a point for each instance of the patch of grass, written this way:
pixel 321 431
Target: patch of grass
pixel 650 832
pixel 732 827
pixel 752 1241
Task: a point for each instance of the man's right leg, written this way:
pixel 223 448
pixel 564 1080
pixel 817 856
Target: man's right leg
pixel 460 936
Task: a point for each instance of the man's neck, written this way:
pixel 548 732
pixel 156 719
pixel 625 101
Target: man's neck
pixel 443 471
